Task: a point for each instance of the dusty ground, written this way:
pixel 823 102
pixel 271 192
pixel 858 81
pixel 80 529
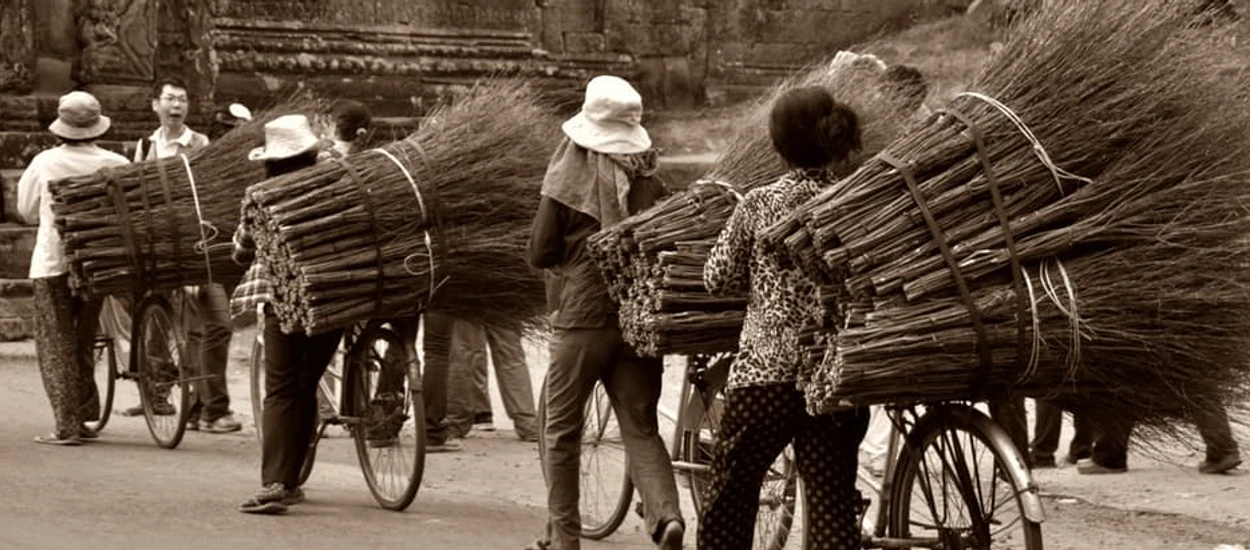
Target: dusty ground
pixel 125 493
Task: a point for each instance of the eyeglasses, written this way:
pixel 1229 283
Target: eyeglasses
pixel 174 99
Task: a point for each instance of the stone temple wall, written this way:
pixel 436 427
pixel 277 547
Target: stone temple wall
pixel 404 53
pixel 398 56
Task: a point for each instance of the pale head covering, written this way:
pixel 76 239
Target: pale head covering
pixel 610 121
pixel 78 117
pixel 285 137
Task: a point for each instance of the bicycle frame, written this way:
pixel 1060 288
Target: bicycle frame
pixel 700 374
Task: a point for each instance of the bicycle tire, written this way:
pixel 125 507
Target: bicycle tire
pixel 156 329
pixel 937 435
pixel 380 427
pixel 105 355
pixel 256 379
pixel 597 434
pixel 779 492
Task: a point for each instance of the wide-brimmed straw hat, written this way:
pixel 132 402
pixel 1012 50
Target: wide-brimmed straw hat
pixel 611 118
pixel 285 137
pixel 78 117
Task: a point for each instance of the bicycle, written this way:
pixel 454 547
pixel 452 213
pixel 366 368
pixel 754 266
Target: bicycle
pixel 607 491
pixel 156 363
pixel 947 451
pixel 380 404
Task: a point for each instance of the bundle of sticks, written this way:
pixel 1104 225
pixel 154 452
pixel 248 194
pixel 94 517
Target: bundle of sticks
pixel 439 219
pixel 1076 228
pixel 164 223
pixel 653 261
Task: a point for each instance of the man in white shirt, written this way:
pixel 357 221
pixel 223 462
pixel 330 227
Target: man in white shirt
pixel 209 337
pixel 64 325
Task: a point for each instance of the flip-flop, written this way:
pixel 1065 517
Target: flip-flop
pixel 272 507
pixel 52 439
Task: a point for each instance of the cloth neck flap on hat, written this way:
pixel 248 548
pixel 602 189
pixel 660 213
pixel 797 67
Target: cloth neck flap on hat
pixel 595 184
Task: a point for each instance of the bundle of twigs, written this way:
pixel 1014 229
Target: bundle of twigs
pixel 164 223
pixel 439 219
pixel 652 261
pixel 1092 243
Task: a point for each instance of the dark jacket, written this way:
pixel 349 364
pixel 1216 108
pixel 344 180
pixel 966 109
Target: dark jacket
pixel 558 243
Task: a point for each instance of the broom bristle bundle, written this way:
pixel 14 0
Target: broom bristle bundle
pixel 1121 171
pixel 139 226
pixel 653 261
pixel 437 220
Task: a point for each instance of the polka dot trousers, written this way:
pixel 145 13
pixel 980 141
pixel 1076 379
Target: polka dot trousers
pixel 758 423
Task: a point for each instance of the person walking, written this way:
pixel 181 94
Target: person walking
pixel 294 362
pixel 1110 450
pixel 1047 424
pixel 471 389
pixel 603 171
pixel 765 409
pixel 210 329
pixel 64 325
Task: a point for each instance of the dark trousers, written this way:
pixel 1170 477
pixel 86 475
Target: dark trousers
pixel 434 375
pixel 759 422
pixel 1111 447
pixel 65 332
pixel 1047 426
pixel 437 347
pixel 208 343
pixel 579 358
pixel 294 364
pixel 469 386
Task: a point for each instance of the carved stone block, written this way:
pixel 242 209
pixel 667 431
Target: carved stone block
pixel 17 48
pixel 118 40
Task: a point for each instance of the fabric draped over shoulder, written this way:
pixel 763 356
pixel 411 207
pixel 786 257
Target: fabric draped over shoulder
pixel 595 184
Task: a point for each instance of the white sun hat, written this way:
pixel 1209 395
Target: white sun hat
pixel 611 118
pixel 285 137
pixel 78 117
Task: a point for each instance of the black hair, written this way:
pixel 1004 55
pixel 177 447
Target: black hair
pixel 907 83
pixel 277 167
pixel 163 81
pixel 810 129
pixel 350 117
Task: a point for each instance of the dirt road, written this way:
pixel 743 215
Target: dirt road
pixel 124 493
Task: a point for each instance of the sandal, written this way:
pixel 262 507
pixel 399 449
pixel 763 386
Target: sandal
pixel 53 439
pixel 271 507
pixel 540 544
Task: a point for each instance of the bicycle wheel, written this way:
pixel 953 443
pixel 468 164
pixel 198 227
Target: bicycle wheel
pixel 256 371
pixel 105 354
pixel 779 491
pixel 389 416
pixel 606 489
pixel 952 489
pixel 160 345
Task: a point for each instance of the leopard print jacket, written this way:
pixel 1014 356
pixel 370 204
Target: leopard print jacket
pixel 781 298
